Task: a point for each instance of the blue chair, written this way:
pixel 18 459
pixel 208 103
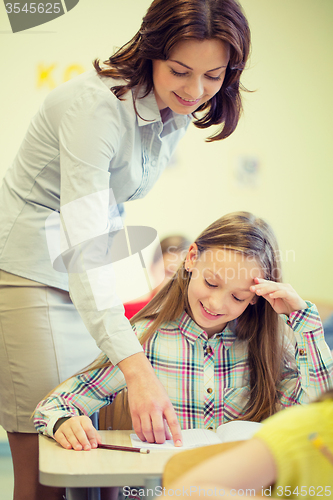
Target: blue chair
pixel 328 331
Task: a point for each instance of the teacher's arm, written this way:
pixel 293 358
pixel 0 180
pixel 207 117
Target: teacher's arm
pixel 88 142
pixel 149 403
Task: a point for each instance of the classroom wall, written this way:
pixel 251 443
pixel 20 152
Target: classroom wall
pixel 278 163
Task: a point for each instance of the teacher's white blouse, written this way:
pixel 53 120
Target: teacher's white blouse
pixel 82 142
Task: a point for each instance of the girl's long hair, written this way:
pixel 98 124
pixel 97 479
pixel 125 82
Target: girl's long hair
pixel 168 22
pixel 259 325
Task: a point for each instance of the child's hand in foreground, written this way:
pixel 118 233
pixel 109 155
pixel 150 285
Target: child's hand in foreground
pixel 281 296
pixel 77 433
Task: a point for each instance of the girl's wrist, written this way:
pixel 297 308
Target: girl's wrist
pixel 59 423
pixel 302 305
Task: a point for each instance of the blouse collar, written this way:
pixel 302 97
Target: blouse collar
pixel 149 113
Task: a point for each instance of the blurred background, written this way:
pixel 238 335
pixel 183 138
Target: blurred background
pixel 277 164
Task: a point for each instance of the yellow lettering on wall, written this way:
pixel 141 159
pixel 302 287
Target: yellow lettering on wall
pixel 72 70
pixel 44 77
pixel 47 78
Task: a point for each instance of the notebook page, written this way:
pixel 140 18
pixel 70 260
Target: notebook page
pixel 238 430
pixel 192 438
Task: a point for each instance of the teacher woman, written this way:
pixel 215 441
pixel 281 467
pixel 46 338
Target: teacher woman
pixel 97 141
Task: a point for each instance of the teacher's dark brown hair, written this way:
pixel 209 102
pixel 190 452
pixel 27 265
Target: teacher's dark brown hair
pixel 168 22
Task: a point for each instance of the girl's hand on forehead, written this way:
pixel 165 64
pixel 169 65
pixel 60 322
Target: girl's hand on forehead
pixel 281 296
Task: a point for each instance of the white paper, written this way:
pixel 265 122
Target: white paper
pixel 238 430
pixel 194 438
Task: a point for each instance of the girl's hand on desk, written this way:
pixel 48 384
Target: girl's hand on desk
pixel 77 433
pixel 281 296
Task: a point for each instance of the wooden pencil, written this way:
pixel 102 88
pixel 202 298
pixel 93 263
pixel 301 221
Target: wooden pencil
pixel 123 448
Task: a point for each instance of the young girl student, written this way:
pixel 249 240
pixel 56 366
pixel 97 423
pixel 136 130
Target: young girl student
pixel 98 141
pixel 217 337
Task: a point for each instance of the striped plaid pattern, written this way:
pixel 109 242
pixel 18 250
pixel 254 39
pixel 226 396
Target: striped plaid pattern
pixel 207 380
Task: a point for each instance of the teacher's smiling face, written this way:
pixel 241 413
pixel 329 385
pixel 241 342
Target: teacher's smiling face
pixel 192 75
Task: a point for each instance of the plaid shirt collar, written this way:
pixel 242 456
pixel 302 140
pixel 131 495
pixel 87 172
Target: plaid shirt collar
pixel 192 331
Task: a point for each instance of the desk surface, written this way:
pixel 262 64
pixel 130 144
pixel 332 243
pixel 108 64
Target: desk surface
pixel 69 468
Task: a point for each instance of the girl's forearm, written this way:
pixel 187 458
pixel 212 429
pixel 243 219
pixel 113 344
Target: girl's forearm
pixel 249 465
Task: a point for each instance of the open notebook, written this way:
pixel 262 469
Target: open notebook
pixel 192 438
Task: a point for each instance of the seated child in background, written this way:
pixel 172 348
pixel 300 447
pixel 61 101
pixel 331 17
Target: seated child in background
pixel 216 339
pixel 291 456
pixel 173 249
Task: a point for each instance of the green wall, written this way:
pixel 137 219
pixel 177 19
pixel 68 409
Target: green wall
pixel 286 129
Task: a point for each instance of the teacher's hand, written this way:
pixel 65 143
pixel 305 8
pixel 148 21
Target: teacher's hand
pixel 150 406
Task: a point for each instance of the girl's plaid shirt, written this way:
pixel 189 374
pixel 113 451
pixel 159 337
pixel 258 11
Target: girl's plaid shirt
pixel 207 380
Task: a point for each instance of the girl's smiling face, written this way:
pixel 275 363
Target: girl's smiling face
pixel 192 75
pixel 219 289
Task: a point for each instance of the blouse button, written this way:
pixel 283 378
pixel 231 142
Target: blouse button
pixel 210 428
pixel 209 390
pixel 209 350
pixel 302 352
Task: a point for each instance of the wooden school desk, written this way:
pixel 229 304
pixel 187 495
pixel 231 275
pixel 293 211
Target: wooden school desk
pixel 77 470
